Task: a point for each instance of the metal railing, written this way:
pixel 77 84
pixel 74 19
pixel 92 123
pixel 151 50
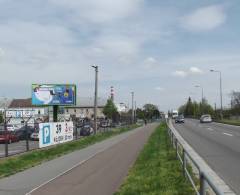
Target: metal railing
pixel 202 178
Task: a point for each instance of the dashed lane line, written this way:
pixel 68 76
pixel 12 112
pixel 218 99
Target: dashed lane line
pixel 228 134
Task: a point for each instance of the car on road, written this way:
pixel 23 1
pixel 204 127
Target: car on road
pixel 86 130
pixel 179 119
pixel 206 118
pixel 9 136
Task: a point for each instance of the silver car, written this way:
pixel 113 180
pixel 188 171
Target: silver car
pixel 206 118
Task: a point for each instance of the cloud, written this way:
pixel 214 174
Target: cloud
pixel 195 70
pixel 204 19
pixel 150 63
pixel 180 73
pixel 159 88
pixel 99 11
pixel 191 71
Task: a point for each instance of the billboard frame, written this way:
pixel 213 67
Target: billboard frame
pixel 46 105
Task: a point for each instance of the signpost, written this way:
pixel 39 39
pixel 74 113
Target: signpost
pixel 55 133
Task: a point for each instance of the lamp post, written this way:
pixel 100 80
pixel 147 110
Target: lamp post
pixel 95 98
pixel 220 78
pixel 132 107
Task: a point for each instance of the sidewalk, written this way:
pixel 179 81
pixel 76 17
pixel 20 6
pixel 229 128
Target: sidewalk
pixel 25 181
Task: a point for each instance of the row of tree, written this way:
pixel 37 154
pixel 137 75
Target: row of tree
pixel 195 109
pixel 148 112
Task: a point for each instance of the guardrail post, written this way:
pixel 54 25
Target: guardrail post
pixel 27 138
pixel 203 185
pixel 176 146
pixel 184 163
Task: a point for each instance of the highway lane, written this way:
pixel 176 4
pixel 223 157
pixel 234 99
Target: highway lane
pixel 218 144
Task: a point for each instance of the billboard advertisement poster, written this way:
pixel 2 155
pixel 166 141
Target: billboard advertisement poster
pixel 55 133
pixel 53 94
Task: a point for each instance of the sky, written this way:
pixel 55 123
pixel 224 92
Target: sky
pixel 159 49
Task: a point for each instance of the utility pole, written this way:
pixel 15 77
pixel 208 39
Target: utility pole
pixel 95 98
pixel 135 112
pixel 221 101
pixel 132 107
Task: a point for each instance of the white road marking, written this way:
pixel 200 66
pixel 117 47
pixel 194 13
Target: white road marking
pixel 210 129
pixel 228 134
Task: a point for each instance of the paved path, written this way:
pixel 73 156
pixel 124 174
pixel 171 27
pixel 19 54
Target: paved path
pixel 98 169
pixel 218 144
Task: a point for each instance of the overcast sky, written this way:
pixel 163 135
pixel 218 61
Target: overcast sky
pixel 158 49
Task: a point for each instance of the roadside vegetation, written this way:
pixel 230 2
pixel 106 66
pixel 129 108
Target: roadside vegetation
pixel 157 170
pixel 229 122
pixel 231 116
pixel 12 165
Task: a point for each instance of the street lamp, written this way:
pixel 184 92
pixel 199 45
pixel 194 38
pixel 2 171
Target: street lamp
pixel 220 75
pixel 132 107
pixel 95 98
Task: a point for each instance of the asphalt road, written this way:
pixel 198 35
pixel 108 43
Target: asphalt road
pixel 218 144
pixel 98 169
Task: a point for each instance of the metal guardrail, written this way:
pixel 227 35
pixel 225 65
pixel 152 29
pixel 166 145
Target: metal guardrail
pixel 208 179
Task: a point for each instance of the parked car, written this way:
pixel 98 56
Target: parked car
pixel 179 119
pixel 35 135
pixel 21 133
pixel 10 136
pixel 86 130
pixel 206 118
pixel 11 127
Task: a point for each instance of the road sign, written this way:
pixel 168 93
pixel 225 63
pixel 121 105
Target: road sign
pixel 55 133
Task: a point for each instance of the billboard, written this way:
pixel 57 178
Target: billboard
pixel 53 94
pixel 55 133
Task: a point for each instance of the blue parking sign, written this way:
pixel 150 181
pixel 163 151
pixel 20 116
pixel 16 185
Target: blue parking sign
pixel 46 135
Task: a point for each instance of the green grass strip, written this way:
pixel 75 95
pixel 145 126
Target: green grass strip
pixel 156 171
pixel 12 165
pixel 229 122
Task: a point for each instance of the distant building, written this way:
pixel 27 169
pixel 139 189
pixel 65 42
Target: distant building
pixel 21 110
pixel 122 107
pixel 85 108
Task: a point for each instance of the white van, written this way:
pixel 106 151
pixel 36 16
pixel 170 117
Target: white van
pixel 174 114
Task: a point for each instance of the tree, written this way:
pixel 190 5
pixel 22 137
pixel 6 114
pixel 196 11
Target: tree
pixel 189 109
pixel 194 109
pixel 151 111
pixel 110 110
pixel 140 113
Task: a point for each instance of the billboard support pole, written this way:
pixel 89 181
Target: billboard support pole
pixel 55 113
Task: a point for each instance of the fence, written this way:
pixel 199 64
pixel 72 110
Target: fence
pixel 202 178
pixel 24 141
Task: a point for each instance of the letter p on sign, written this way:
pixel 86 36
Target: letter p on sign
pixel 46 134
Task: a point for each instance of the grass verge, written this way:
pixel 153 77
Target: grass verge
pixel 156 171
pixel 229 122
pixel 12 165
